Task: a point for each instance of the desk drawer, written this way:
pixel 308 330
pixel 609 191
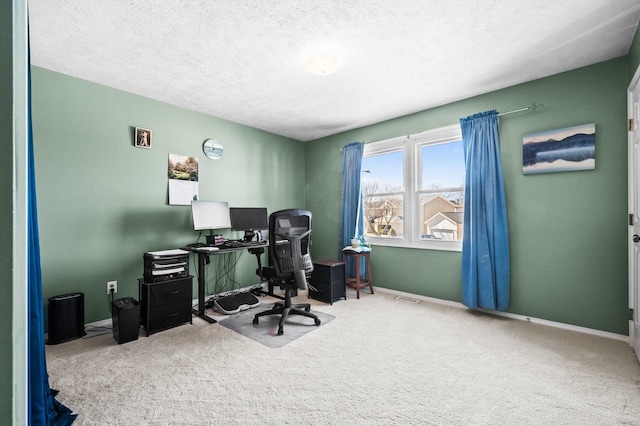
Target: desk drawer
pixel 165 292
pixel 166 316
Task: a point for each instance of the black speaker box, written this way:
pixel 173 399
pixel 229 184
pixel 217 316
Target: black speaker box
pixel 125 314
pixel 66 318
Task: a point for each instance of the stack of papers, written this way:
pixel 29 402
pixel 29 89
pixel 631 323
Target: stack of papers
pixel 173 252
pixel 166 271
pixel 357 249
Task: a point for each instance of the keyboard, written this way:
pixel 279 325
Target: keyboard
pixel 241 244
pixel 200 247
pixel 194 245
pixel 234 244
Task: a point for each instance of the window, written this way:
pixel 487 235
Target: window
pixel 413 190
pixel 383 190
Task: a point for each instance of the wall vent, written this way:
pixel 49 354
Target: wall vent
pixel 407 299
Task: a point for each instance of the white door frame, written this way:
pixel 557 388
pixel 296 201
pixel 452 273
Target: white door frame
pixel 633 172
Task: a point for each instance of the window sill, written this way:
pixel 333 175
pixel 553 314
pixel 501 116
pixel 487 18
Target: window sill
pixel 420 245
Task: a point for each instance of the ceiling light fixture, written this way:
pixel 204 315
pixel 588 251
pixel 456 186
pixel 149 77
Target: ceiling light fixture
pixel 322 64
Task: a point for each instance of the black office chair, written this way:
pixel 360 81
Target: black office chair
pixel 289 244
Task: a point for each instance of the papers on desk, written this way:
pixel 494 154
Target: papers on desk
pixel 356 249
pixel 207 249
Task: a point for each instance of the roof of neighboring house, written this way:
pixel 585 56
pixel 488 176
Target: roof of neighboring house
pixel 455 217
pixel 426 200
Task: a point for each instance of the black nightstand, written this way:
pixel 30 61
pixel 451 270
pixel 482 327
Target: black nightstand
pixel 327 281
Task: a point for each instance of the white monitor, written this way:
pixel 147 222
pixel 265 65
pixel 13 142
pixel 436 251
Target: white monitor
pixel 210 215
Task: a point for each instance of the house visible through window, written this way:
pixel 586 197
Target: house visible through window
pixel 383 191
pixel 413 190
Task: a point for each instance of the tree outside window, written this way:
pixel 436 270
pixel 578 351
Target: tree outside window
pixel 383 195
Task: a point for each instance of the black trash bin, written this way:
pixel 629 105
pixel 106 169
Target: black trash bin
pixel 125 314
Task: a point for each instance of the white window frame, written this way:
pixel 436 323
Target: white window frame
pixel 411 146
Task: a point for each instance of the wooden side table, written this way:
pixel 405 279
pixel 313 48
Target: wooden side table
pixel 357 282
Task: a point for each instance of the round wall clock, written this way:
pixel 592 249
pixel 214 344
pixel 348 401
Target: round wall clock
pixel 212 149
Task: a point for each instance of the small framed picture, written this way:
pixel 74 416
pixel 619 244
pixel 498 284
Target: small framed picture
pixel 143 138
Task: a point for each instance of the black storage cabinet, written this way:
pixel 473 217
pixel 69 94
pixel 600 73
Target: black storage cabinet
pixel 327 281
pixel 125 315
pixel 165 304
pixel 66 318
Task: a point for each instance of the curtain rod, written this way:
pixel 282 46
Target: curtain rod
pixel 534 106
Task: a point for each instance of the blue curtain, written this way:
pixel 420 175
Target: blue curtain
pixel 485 244
pixel 351 224
pixel 43 407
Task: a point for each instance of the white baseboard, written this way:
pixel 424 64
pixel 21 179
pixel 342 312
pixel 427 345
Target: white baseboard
pixel 614 336
pixel 606 334
pixel 106 323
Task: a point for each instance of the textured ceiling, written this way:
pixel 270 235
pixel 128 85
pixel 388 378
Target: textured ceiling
pixel 242 60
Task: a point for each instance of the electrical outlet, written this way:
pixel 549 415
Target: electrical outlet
pixel 112 285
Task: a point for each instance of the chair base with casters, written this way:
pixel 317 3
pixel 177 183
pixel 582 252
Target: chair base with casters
pixel 287 308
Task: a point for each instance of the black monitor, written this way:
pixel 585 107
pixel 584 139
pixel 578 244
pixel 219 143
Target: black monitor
pixel 249 220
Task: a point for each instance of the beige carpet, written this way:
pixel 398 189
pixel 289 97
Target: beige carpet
pixel 381 361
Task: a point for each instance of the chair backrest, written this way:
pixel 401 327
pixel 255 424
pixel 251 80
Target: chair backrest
pixel 290 243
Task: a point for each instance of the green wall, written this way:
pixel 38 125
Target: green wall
pixel 103 202
pixel 567 230
pixel 6 208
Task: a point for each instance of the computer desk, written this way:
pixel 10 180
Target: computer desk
pixel 203 255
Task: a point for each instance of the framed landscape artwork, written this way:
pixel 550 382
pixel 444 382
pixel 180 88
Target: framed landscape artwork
pixel 560 150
